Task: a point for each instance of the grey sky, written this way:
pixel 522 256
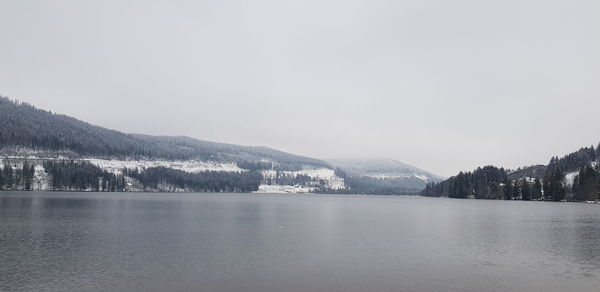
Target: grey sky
pixel 443 85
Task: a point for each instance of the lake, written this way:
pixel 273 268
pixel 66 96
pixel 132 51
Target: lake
pixel 264 242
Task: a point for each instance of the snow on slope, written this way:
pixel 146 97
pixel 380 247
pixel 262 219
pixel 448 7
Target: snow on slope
pixel 192 166
pixel 284 189
pixel 41 179
pixel 332 181
pixel 327 175
pixel 383 168
pixel 408 175
pixel 570 177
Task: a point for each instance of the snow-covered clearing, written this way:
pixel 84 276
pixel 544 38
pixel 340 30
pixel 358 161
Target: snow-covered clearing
pixel 320 177
pixel 192 166
pixel 283 189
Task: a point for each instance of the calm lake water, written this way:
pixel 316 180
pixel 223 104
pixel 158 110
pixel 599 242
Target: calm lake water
pixel 252 242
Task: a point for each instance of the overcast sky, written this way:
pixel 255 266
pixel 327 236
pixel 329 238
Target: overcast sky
pixel 443 85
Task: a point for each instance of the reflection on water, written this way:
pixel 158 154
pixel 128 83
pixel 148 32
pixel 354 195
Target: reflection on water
pixel 232 242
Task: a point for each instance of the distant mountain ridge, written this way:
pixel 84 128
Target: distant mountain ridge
pixel 382 175
pixel 381 167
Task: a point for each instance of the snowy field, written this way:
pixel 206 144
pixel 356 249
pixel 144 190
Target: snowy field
pixel 191 166
pixel 282 189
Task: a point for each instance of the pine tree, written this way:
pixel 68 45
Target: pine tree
pixel 516 191
pixel 8 177
pixel 1 180
pixel 31 173
pixel 587 184
pixel 26 176
pixel 536 192
pixel 577 193
pixel 553 181
pixel 495 191
pixel 508 190
pixel 525 191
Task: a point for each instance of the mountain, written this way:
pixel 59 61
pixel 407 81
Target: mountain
pixel 382 175
pixel 382 168
pixel 41 150
pixel 574 177
pixel 23 126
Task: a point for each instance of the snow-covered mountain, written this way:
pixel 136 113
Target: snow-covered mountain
pixel 25 129
pixel 382 176
pixel 382 168
pixel 33 139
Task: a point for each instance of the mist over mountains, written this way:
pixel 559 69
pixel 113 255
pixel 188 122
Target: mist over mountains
pixel 379 171
pixel 23 125
pixel 48 151
pixel 79 151
pixel 381 167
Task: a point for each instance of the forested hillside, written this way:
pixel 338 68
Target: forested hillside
pixel 574 177
pixel 379 185
pixel 74 175
pixel 41 150
pixel 23 126
pixel 381 176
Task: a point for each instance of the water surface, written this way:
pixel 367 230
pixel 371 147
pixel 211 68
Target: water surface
pixel 252 242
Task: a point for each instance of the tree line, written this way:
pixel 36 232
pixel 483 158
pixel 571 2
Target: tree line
pixel 76 175
pixel 488 182
pixel 17 178
pixel 366 185
pixel 82 176
pixel 156 178
pixel 255 165
pixel 550 184
pixel 290 179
